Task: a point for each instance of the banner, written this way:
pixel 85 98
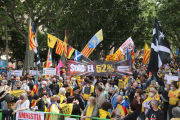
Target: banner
pixel 4 71
pixel 17 72
pixel 2 63
pixel 33 72
pixel 29 115
pixel 17 93
pixel 127 44
pixel 99 68
pixel 49 71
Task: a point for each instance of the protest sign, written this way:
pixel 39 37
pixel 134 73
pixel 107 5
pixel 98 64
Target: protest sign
pixel 2 63
pixel 33 72
pixel 17 93
pixel 127 44
pixel 170 78
pixel 99 68
pixel 17 72
pixel 29 115
pixel 49 71
pixel 166 66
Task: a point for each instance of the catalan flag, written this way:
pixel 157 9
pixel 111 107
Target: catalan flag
pixel 93 42
pixel 32 34
pixel 49 59
pixel 126 80
pixel 35 90
pixel 133 53
pixel 65 45
pixel 70 51
pixel 59 47
pixel 176 54
pixel 124 108
pixel 147 52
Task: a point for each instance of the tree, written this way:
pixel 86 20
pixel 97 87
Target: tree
pixel 17 14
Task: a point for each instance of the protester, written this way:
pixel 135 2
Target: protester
pixel 54 87
pixel 77 96
pixel 138 100
pixel 154 113
pixel 40 106
pixel 91 109
pixel 104 112
pixel 113 98
pixel 44 87
pixel 22 104
pixel 132 92
pixel 62 92
pixel 176 113
pixel 100 97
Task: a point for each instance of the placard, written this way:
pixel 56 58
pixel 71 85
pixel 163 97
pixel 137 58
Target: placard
pixel 2 63
pixel 49 71
pixel 29 115
pixel 169 78
pixel 166 66
pixel 33 72
pixel 127 44
pixel 17 93
pixel 99 68
pixel 17 72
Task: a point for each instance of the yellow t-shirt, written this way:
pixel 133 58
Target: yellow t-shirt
pixel 173 97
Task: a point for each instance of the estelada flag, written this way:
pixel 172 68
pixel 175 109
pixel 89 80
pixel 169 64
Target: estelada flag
pixel 32 34
pixel 51 40
pixel 49 59
pixel 147 52
pixel 93 42
pixel 65 45
pixel 34 90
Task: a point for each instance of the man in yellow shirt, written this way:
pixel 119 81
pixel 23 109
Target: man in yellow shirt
pixel 174 95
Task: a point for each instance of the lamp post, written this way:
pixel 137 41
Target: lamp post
pixel 7 38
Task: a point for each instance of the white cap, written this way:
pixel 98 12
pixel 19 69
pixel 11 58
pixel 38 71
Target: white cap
pixel 73 78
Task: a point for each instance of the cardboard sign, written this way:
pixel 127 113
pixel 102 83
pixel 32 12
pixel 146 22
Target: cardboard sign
pixel 99 68
pixel 17 72
pixel 17 93
pixel 29 115
pixel 49 71
pixel 33 72
pixel 127 44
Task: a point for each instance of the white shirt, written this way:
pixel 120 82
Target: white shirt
pixel 23 105
pixel 147 104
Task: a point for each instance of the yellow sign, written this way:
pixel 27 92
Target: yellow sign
pixel 104 68
pixel 17 93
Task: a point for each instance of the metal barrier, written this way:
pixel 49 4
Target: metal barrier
pixel 60 116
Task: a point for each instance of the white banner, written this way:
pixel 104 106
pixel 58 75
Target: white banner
pixel 49 71
pixel 127 44
pixel 169 78
pixel 33 72
pixel 29 115
pixel 17 72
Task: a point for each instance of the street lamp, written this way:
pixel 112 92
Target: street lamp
pixel 6 38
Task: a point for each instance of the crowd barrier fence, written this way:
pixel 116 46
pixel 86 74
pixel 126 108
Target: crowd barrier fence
pixel 60 116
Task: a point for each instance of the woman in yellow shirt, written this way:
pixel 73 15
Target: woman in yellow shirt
pixel 173 97
pixel 91 109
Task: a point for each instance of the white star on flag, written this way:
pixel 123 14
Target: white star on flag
pixel 161 35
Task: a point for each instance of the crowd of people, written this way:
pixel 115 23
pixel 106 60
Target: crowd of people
pixel 146 95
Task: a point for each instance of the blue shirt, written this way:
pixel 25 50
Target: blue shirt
pixel 113 100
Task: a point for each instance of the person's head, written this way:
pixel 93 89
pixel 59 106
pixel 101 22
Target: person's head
pixel 24 83
pixel 23 96
pixel 98 89
pixel 60 79
pixel 112 90
pixel 135 85
pixel 35 97
pixel 62 91
pixel 18 78
pixel 139 92
pixel 4 82
pixel 54 80
pixel 18 86
pixel 167 87
pixel 92 101
pixel 9 98
pixel 76 90
pixel 106 106
pixel 176 112
pixel 70 99
pixel 88 81
pixel 154 104
pixel 128 86
pixel 119 99
pixel 55 98
pixel 132 106
pixel 44 84
pixel 122 91
pixel 174 86
pixel 152 92
pixel 44 93
pixel 108 80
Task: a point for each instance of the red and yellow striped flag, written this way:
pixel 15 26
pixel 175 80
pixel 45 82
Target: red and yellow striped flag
pixel 118 54
pixel 147 52
pixel 59 47
pixel 32 34
pixel 65 45
pixel 86 51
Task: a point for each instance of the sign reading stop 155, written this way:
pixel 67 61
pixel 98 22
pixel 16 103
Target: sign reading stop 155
pixel 104 68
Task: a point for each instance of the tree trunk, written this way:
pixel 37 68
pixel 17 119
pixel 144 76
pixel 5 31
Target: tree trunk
pixel 29 57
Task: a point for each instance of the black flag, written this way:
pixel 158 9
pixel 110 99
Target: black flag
pixel 160 49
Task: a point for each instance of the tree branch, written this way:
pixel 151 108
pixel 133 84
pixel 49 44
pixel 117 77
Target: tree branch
pixel 57 14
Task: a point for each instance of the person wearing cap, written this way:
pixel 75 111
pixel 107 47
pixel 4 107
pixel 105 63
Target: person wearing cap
pixel 87 90
pixel 174 95
pixel 77 96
